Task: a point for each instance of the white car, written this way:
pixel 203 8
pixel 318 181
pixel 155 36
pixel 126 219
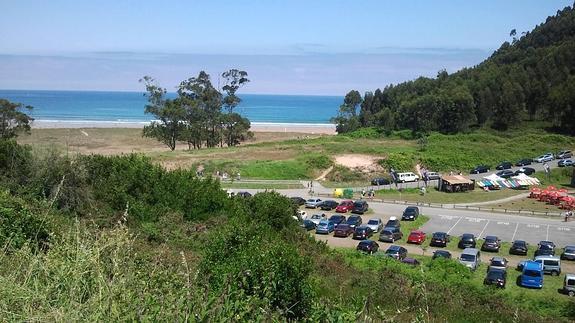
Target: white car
pixel 407 177
pixel 300 215
pixel 544 158
pixel 433 176
pixel 375 224
pixel 312 203
pixel 316 218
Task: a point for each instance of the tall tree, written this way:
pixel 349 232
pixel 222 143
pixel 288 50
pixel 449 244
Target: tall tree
pixel 13 120
pixel 169 115
pixel 347 119
pixel 237 127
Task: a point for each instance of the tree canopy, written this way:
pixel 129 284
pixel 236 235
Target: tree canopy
pixel 531 78
pixel 13 120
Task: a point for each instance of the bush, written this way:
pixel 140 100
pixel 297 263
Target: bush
pixel 365 133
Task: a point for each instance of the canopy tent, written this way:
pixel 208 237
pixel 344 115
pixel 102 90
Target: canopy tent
pixel 525 180
pixel 494 181
pixel 455 183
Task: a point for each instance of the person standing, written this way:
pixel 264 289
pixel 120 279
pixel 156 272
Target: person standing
pixel 547 170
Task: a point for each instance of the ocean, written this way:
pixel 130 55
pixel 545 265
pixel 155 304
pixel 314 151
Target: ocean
pixel 95 106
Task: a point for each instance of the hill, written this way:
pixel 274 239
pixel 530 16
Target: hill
pixel 530 78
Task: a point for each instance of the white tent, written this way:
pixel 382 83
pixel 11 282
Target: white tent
pixel 494 177
pixel 526 180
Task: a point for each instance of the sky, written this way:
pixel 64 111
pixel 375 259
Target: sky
pixel 321 47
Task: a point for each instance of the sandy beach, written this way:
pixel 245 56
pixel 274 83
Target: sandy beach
pixel 328 129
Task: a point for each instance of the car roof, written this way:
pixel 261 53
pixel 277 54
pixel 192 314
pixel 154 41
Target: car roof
pixel 569 246
pixel 470 251
pixel 362 227
pixel 496 258
pixel 569 276
pixel 519 241
pixel 442 252
pixel 377 219
pixel 324 221
pixel 394 247
pixel 468 235
pixel 547 257
pixel 367 241
pixel 532 265
pixel 438 233
pixel 491 237
pixel 393 218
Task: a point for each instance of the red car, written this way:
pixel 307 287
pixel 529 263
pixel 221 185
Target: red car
pixel 416 237
pixel 344 206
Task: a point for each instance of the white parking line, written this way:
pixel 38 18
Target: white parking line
pixel 485 227
pixel 454 225
pixel 547 238
pixel 515 232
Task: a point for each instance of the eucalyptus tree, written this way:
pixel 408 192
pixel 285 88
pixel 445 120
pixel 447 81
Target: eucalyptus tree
pixel 13 120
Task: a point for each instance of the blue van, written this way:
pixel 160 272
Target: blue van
pixel 532 275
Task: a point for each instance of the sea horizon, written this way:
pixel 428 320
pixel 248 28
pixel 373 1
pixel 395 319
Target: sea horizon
pixel 74 106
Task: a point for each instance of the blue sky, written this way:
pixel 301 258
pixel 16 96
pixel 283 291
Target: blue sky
pixel 288 47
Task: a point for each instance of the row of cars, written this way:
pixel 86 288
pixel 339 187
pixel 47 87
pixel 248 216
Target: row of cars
pixel 563 157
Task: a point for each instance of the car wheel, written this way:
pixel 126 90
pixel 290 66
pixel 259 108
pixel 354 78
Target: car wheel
pixel 571 293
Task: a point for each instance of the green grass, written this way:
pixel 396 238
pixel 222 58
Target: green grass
pixel 277 186
pixel 434 196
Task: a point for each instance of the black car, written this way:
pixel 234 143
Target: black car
pixel 480 169
pixel 523 162
pixel 410 213
pixel 390 234
pixel 545 248
pixel 525 170
pixel 439 239
pixel 359 207
pixel 467 240
pixel 308 225
pixel 299 201
pixel 354 220
pixel 519 247
pixel 504 165
pixel 380 181
pixel 497 277
pixel 393 222
pixel 491 243
pixel 368 246
pixel 362 232
pixel 328 205
pixel 244 194
pixel 396 252
pixel 505 173
pixel 441 254
pixel 336 219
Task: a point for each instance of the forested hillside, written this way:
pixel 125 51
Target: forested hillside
pixel 530 78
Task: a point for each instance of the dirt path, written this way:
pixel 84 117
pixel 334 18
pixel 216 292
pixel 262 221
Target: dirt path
pixel 324 174
pixel 504 200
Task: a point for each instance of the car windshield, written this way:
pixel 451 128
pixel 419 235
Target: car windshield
pixel 467 237
pixel 358 204
pixel 570 249
pixel 316 216
pixel 497 262
pixel 441 254
pixel 495 274
pixel 532 273
pixel 519 244
pixel 490 239
pixel 545 247
pixel 391 251
pixel 373 222
pixel 353 219
pixel 335 217
pixel 466 257
pixel 438 235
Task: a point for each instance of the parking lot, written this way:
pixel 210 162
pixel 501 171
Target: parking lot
pixel 506 230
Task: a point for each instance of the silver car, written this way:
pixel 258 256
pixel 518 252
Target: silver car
pixel 568 253
pixel 544 158
pixel 375 224
pixel 312 203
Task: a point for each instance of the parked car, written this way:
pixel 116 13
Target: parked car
pixel 497 263
pixel 407 177
pixel 337 219
pixel 344 206
pixel 390 234
pixel 471 258
pixel 410 261
pixel 328 205
pixel 565 163
pixel 354 221
pixel 368 246
pixel 531 275
pixel 343 230
pixel 359 207
pixel 496 277
pixel 416 236
pixel 568 253
pixel 324 227
pixel 564 154
pixel 523 162
pixel 433 176
pixel 505 173
pixel 396 252
pixel 551 264
pixel 300 215
pixel 411 213
pixel 544 158
pixel 362 232
pixel 299 201
pixel 467 240
pixel 244 194
pixel 308 225
pixel 375 224
pixel 380 181
pixel 519 247
pixel 491 243
pixel 441 254
pixel 312 203
pixel 393 222
pixel 525 170
pixel 316 218
pixel 569 285
pixel 479 169
pixel 439 239
pixel 504 165
pixel 545 248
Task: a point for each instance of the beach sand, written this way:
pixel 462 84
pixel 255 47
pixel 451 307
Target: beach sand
pixel 326 129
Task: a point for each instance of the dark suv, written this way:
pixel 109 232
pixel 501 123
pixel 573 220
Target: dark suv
pixel 390 234
pixel 439 239
pixel 504 165
pixel 354 221
pixel 362 232
pixel 491 243
pixel 411 213
pixel 328 205
pixel 359 207
pixel 545 248
pixel 519 247
pixel 396 252
pixel 467 240
pixel 480 169
pixel 368 246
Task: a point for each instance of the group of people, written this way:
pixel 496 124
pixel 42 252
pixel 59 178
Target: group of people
pixel 568 215
pixel 370 194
